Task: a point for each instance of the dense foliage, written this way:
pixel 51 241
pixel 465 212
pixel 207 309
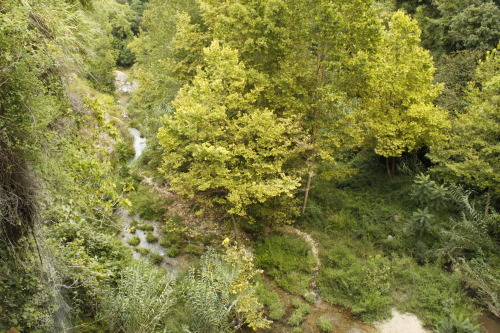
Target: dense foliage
pixel 373 126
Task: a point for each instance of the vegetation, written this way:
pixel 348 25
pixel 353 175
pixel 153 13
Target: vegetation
pixel 288 259
pixel 372 126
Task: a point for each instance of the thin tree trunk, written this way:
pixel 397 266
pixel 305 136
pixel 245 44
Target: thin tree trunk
pixel 235 229
pixel 310 174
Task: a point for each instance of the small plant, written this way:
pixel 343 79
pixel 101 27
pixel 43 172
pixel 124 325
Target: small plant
pixel 421 222
pixel 194 249
pixel 288 259
pixel 151 238
pixel 297 330
pixel 301 310
pixel 310 297
pixel 131 230
pixel 142 250
pixel 324 324
pixel 271 299
pixel 457 323
pixel 145 227
pixel 171 239
pixel 134 241
pixel 173 251
pixel 427 192
pixel 155 258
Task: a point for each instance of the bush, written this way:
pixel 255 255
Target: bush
pixel 457 323
pixel 144 298
pixel 155 258
pixel 134 241
pixel 147 204
pixel 429 292
pixel 145 227
pixel 359 284
pixel 142 250
pixel 310 297
pixel 195 249
pixel 301 311
pixel 288 259
pixel 171 239
pixel 324 324
pixel 173 251
pixel 268 297
pixel 151 238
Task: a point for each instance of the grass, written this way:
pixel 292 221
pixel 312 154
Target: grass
pixel 142 250
pixel 301 311
pixel 134 241
pixel 288 259
pixel 324 324
pixel 268 297
pixel 155 258
pixel 369 272
pixel 151 238
pixel 145 227
pixel 173 251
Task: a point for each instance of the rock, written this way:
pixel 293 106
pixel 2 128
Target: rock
pixel 390 238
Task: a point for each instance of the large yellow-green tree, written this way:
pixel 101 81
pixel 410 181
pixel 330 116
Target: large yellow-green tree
pixel 219 142
pixel 398 114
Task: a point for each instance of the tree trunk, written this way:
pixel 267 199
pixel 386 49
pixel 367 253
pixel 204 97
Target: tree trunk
pixel 310 173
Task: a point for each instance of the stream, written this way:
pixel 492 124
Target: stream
pixel 123 88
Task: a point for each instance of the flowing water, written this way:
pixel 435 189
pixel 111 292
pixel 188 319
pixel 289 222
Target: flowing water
pixel 139 142
pixel 123 88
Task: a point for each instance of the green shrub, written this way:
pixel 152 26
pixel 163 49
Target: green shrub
pixel 171 239
pixel 142 250
pixel 144 298
pixel 155 258
pixel 301 311
pixel 145 227
pixel 429 292
pixel 195 249
pixel 288 259
pixel 310 297
pixel 124 151
pixel 268 297
pixel 457 323
pixel 324 324
pixel 134 241
pixel 151 238
pixel 359 284
pixel 147 204
pixel 173 251
pixel 297 330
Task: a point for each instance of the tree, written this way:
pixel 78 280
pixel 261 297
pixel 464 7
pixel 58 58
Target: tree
pixel 398 112
pixel 218 141
pixel 471 154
